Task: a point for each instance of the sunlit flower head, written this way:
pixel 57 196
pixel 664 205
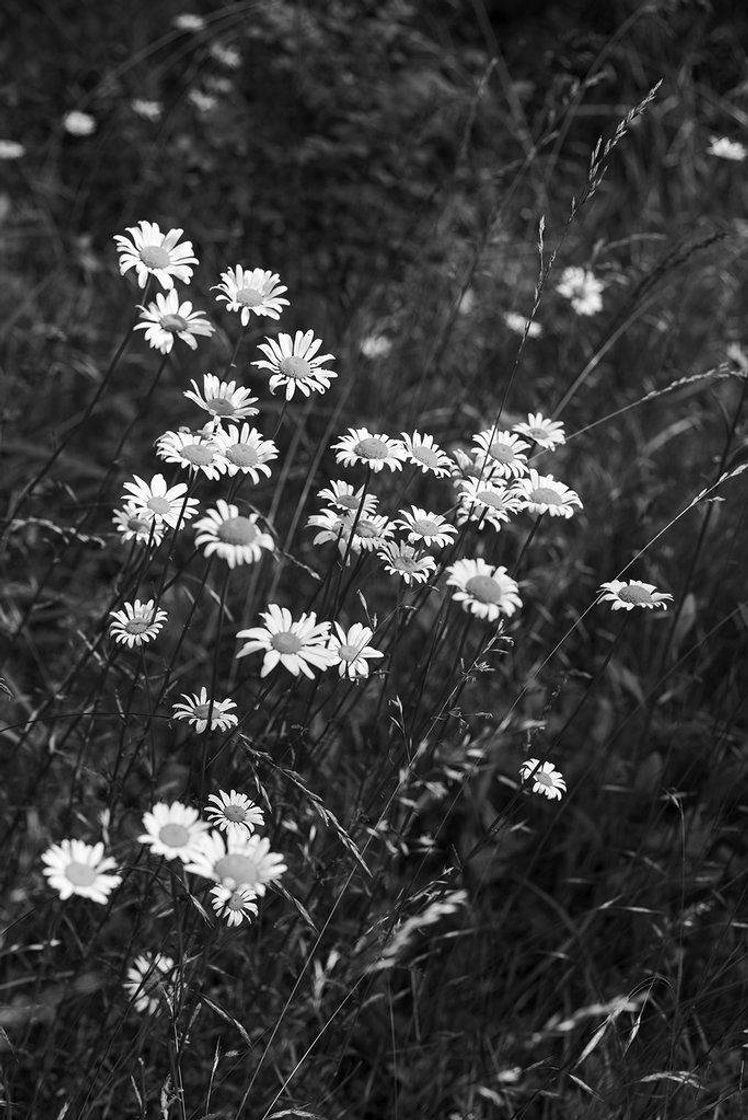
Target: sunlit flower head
pixel 583 290
pixel 298 645
pixel 167 319
pixel 153 253
pixel 501 453
pixel 197 707
pixel 519 324
pixel 353 651
pixel 172 831
pixel 222 399
pixel 232 536
pixel 78 123
pixel 252 292
pixel 544 494
pixel 625 595
pixel 359 446
pixel 246 451
pixel 234 905
pixel 432 530
pixel 73 867
pixel 371 532
pixel 155 501
pixel 11 149
pixel 237 862
pixel 484 590
pixel 343 496
pixel 148 110
pixel 489 503
pixel 136 526
pixel 423 452
pixel 151 983
pixel 137 623
pixel 544 778
pixel 546 433
pixel 408 563
pixel 375 346
pixel 193 450
pixel 293 364
pixel 234 813
pixel 724 148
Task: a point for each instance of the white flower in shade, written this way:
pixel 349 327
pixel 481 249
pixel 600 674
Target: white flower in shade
pixel 293 364
pixel 167 318
pixel 544 778
pixel 135 526
pixel 192 450
pixel 227 56
pixel 197 707
pixel 625 595
pixel 583 290
pixel 152 983
pixel 11 149
pixel 483 590
pixel 486 502
pixel 252 291
pixel 431 529
pixel 343 496
pixel 234 905
pixel 148 110
pixel 189 21
pixel 371 532
pixel 237 862
pixel 223 399
pixel 155 501
pixel 232 536
pixel 724 148
pixel 245 450
pixel 79 124
pixel 351 647
pixel 519 324
pixel 543 494
pixel 234 813
pixel 172 831
pixel 375 346
pixel 73 867
pixel 406 562
pixel 297 645
pixel 137 623
pixel 425 453
pixel 502 453
pixel 546 433
pixel 153 253
pixel 374 451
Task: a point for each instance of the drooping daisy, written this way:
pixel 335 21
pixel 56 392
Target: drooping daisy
pixel 155 501
pixel 234 862
pixel 483 590
pixel 234 905
pixel 724 148
pixel 231 535
pixel 293 364
pixel 486 502
pixel 167 318
pixel 501 452
pixel 193 450
pixel 222 399
pixel 374 451
pixel 544 778
pixel 343 496
pixel 351 647
pixel 73 867
pixel 408 563
pixel 246 451
pixel 297 645
pixel 371 532
pixel 519 324
pixel 172 831
pixel 153 253
pixel 197 707
pixel 234 813
pixel 252 291
pixel 135 526
pixel 544 494
pixel 152 983
pixel 625 595
pixel 583 290
pixel 375 346
pixel 137 623
pixel 546 433
pixel 425 453
pixel 430 528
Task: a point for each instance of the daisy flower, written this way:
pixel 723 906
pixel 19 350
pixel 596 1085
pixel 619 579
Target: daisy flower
pixel 154 501
pixel 234 905
pixel 406 562
pixel 196 708
pixel 192 450
pixel 249 291
pixel 519 324
pixel 151 983
pixel 135 526
pixel 342 495
pixel 375 346
pixel 483 590
pixel 473 465
pixel 544 778
pixel 233 537
pixel 296 645
pixel 543 494
pixel 222 399
pixel 172 830
pixel 625 595
pixel 430 528
pixel 501 452
pixel 371 533
pixel 153 253
pixel 73 867
pixel 724 148
pixel 546 433
pixel 79 124
pixel 350 646
pixel 232 862
pixel 293 364
pixel 245 450
pixel 425 453
pixel 486 502
pixel 137 623
pixel 583 290
pixel 374 451
pixel 234 813
pixel 167 318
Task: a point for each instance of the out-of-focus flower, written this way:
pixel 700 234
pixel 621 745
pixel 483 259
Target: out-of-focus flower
pixel 148 110
pixel 583 290
pixel 724 148
pixel 11 149
pixel 519 324
pixel 79 124
pixel 151 983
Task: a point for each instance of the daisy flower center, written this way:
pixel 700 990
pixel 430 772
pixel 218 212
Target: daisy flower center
pixel 366 529
pixel 294 367
pixel 234 813
pixel 348 652
pixel 174 835
pixel 200 711
pixel 241 455
pixel 636 595
pixel 426 527
pixel 542 778
pixel 155 256
pixel 137 524
pixel 409 566
pixel 537 433
pixel 502 452
pixel 426 455
pixel 199 454
pixel 371 448
pixel 286 642
pixel 238 530
pixel 348 501
pixel 489 498
pixel 237 901
pixel 484 588
pixel 137 625
pixel 543 495
pixel 159 504
pixel 80 874
pixel 174 323
pixel 235 869
pixel 250 297
pixel 221 406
